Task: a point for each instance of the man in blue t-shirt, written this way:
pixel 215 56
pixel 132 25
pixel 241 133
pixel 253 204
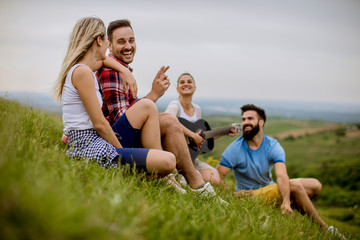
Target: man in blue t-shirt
pixel 252 157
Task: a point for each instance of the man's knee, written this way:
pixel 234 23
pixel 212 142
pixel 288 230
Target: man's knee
pixel 169 122
pixel 312 186
pixel 317 187
pixel 296 187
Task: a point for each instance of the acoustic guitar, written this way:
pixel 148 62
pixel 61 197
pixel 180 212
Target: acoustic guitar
pixel 206 133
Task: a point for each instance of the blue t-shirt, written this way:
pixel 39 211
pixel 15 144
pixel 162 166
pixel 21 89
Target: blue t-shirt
pixel 252 168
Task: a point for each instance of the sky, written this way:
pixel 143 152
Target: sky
pixel 287 50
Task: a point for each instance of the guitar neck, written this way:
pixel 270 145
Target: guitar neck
pixel 216 133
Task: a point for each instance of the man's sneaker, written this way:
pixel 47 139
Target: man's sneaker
pixel 208 191
pixel 222 201
pixel 170 180
pixel 334 231
pixel 182 180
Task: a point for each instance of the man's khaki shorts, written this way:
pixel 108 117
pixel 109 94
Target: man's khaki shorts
pixel 270 193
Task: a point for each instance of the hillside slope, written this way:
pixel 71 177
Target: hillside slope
pixel 45 195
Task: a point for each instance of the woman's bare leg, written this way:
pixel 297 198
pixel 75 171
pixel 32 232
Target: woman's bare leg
pixel 160 162
pixel 211 176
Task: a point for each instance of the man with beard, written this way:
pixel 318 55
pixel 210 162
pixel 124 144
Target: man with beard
pixel 252 158
pixel 117 99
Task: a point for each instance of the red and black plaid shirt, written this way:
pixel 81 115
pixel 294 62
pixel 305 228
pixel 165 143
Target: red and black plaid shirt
pixel 115 100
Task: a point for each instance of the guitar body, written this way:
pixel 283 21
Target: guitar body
pixel 199 125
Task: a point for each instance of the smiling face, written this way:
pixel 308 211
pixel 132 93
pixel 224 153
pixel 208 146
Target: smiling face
pixel 186 85
pixel 123 44
pixel 251 124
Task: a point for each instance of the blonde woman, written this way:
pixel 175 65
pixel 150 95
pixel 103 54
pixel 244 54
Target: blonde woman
pixel 185 108
pixel 89 133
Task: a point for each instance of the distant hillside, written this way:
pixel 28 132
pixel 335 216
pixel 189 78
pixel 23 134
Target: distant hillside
pixel 330 112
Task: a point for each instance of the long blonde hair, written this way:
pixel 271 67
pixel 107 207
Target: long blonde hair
pixel 82 37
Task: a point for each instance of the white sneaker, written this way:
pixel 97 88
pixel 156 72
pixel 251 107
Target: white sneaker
pixel 170 180
pixel 208 191
pixel 182 180
pixel 334 231
pixel 222 201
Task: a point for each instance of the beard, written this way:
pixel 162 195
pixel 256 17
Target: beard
pixel 121 56
pixel 248 135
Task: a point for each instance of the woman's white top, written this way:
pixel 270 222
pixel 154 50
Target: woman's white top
pixel 75 116
pixel 177 110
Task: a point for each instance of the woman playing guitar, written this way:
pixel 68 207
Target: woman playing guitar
pixel 184 108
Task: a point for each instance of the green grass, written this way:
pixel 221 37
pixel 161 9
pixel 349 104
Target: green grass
pixel 46 195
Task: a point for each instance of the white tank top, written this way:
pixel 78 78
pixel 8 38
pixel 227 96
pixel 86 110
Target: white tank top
pixel 75 116
pixel 192 118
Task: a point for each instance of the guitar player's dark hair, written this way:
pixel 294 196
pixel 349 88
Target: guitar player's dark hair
pixel 259 110
pixel 186 73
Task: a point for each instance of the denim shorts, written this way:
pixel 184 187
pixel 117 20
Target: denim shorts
pixel 135 157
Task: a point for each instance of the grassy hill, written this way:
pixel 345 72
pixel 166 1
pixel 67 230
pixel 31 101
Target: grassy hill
pixel 46 195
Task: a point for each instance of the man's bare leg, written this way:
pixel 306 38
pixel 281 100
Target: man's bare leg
pixel 173 140
pixel 312 186
pixel 302 201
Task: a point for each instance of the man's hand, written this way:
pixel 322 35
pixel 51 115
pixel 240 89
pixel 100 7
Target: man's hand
pixel 284 187
pixel 129 82
pixel 232 132
pixel 160 84
pixel 286 209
